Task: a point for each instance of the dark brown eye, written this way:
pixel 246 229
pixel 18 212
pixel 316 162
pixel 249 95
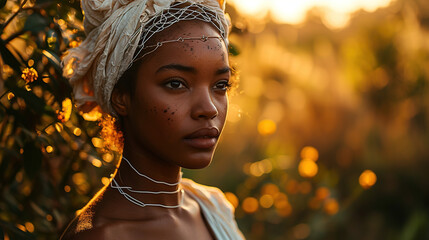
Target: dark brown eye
pixel 222 85
pixel 175 84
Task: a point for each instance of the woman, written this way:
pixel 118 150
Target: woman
pixel 161 68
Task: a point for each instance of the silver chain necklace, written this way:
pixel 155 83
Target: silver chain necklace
pixel 114 184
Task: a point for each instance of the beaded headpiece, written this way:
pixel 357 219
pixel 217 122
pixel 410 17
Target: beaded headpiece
pixel 117 35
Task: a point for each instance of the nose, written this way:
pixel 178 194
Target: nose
pixel 203 105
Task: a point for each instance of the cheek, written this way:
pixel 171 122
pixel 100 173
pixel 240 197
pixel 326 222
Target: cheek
pixel 169 114
pixel 222 107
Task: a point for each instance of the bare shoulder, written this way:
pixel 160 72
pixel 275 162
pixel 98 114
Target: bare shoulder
pixel 87 224
pixel 84 226
pixel 72 232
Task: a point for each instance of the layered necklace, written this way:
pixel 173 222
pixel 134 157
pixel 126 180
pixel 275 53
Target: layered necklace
pixel 114 184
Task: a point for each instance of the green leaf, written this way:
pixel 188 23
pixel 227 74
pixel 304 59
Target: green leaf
pixel 8 57
pixel 2 3
pixel 32 159
pixel 35 23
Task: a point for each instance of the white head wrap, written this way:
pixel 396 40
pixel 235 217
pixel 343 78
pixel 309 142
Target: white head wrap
pixel 113 29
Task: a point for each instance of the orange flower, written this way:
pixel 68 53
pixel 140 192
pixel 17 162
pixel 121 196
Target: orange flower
pixel 29 75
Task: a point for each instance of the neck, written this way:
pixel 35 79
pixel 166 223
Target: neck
pixel 149 165
pixel 147 179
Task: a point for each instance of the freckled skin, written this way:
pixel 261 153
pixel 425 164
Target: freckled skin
pixel 156 120
pixel 161 143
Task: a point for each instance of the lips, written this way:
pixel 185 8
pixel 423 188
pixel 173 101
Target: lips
pixel 204 138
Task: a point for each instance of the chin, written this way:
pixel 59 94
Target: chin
pixel 198 160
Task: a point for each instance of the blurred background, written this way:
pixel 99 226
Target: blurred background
pixel 327 134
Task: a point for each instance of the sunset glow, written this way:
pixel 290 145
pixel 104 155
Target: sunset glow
pixel 334 13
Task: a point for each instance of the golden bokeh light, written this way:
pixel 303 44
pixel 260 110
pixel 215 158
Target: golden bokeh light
pixel 250 205
pixel 49 130
pixel 83 155
pixel 59 127
pixel 46 79
pixel 64 114
pixel 96 162
pixel 266 165
pixel 105 181
pixel 266 201
pixel 284 209
pixel 79 178
pixel 49 149
pixel 29 226
pixel 49 217
pixel 367 179
pixel 331 206
pixel 10 96
pixel 259 168
pixel 92 116
pixel 322 193
pixel 309 153
pixel 307 168
pixel 21 227
pixel 255 170
pixel 107 157
pixel 97 142
pixel 61 22
pixel 232 199
pixel 281 200
pixel 77 132
pixel 67 188
pixel 270 189
pixel 74 146
pixel 267 127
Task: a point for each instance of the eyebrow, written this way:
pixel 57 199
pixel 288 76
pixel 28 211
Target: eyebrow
pixel 184 68
pixel 223 70
pixel 176 67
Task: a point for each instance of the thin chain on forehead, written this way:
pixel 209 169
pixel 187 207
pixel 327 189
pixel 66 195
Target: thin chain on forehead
pixel 154 47
pixel 180 11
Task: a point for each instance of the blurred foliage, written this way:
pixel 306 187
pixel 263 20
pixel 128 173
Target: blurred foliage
pixel 326 137
pixel 47 157
pixel 331 127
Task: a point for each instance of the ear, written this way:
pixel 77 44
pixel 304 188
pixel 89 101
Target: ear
pixel 120 102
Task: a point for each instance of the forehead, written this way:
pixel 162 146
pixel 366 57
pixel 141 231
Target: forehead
pixel 213 48
pixel 187 28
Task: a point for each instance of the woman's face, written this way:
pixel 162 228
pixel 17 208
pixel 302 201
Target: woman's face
pixel 180 102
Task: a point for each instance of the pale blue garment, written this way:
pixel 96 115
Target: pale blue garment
pixel 216 209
